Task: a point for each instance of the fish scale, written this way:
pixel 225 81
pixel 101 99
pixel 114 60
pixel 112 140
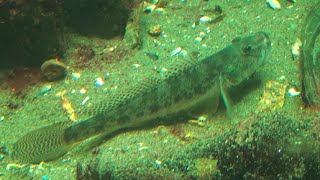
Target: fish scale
pixel 189 87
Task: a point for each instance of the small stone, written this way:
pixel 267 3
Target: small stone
pixel 1 119
pixel 158 162
pixel 53 70
pixel 205 19
pixel 99 81
pixel 155 30
pixel 294 92
pixel 274 4
pixel 82 91
pixel 76 75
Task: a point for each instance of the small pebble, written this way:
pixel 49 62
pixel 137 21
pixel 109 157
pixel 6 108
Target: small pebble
pixel 163 70
pixel 53 70
pixel 295 49
pixel 105 90
pixel 158 162
pixel 99 81
pixel 176 51
pixel 155 30
pixel 76 75
pixel 136 66
pixel 2 156
pixel 274 4
pixel 45 177
pixel 205 19
pixel 150 8
pixel 45 89
pixel 198 39
pixel 294 92
pixel 82 91
pixel 108 75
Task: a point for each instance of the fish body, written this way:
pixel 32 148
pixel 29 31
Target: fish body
pixel 188 88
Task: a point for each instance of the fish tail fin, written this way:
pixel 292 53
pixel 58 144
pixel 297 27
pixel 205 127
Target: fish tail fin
pixel 42 144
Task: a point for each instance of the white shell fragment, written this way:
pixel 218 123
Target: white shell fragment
pixel 158 162
pixel 295 49
pixel 46 88
pixel 274 4
pixel 176 51
pixel 86 99
pixel 150 7
pixel 99 81
pixel 200 37
pixel 82 91
pixel 205 19
pixel 136 66
pixel 294 92
pixel 160 10
pixel 1 118
pixel 163 70
pixel 76 75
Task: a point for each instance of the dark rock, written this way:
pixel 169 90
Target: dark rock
pixel 53 70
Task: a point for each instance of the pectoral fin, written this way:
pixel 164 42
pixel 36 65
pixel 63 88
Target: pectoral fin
pixel 226 100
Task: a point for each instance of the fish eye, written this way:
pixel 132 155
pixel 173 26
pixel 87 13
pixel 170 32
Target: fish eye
pixel 247 49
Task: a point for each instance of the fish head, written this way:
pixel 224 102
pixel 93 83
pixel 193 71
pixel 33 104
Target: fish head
pixel 248 54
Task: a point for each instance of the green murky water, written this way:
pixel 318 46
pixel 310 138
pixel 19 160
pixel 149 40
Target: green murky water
pixel 107 46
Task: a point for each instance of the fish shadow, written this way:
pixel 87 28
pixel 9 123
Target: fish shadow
pixel 241 90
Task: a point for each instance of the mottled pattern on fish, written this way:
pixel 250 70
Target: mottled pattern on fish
pixel 177 95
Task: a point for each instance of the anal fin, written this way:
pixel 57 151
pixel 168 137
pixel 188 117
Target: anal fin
pixel 209 105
